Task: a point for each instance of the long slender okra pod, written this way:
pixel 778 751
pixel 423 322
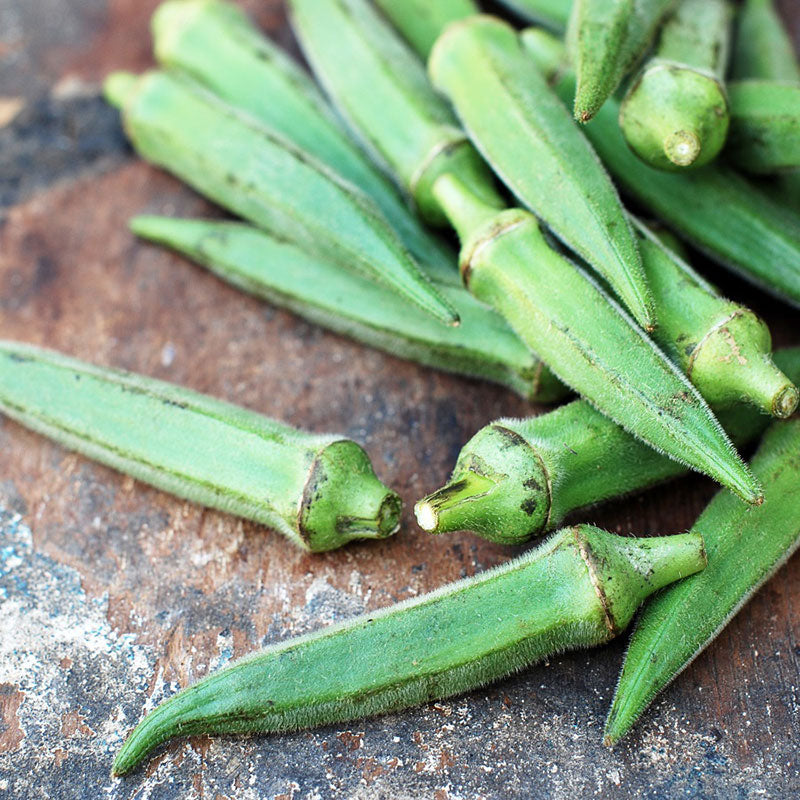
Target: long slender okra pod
pixel 765 126
pixel 553 14
pixel 421 20
pixel 744 550
pixel 507 108
pixel 675 114
pixel 607 38
pixel 319 491
pixel 261 176
pixel 714 208
pixel 482 346
pixel 215 43
pixel 763 47
pixel 723 347
pixel 516 479
pixel 579 589
pixel 555 308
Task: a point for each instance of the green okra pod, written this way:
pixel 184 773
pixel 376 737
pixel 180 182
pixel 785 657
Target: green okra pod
pixel 553 14
pixel 579 589
pixel 483 346
pixel 555 308
pixel 765 126
pixel 724 348
pixel 763 46
pixel 215 43
pixel 606 39
pixel 261 176
pixel 421 20
pixel 715 209
pixel 319 491
pixel 744 551
pixel 675 114
pixel 516 479
pixel 507 108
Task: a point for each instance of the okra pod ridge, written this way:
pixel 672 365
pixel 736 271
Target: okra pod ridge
pixel 578 589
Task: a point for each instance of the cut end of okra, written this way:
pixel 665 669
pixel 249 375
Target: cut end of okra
pixel 682 148
pixel 448 509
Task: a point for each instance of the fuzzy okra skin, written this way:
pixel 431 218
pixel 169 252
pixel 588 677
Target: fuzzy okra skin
pixel 714 208
pixel 507 108
pixel 744 551
pixel 516 479
pixel 421 20
pixel 675 115
pixel 764 48
pixel 215 43
pixel 765 126
pixel 601 353
pixel 606 39
pixel 483 346
pixel 579 589
pixel 254 172
pixel 724 348
pixel 319 491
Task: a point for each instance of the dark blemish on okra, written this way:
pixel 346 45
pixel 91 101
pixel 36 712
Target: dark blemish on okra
pixel 529 506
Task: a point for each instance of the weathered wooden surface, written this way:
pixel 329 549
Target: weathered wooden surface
pixel 113 595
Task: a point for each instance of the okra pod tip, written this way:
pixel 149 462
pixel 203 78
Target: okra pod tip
pixel 118 86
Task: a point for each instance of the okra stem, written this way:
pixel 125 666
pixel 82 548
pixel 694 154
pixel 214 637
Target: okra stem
pixel 318 491
pixel 579 589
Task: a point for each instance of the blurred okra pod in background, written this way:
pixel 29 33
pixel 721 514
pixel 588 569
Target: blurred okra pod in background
pixel 553 14
pixel 517 479
pixel 483 346
pixel 256 173
pixel 765 126
pixel 763 46
pixel 555 308
pixel 579 589
pixel 675 114
pixel 221 49
pixel 319 491
pixel 715 209
pixel 507 108
pixel 606 38
pixel 744 550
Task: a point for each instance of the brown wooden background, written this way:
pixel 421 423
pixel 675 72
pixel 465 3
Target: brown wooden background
pixel 112 594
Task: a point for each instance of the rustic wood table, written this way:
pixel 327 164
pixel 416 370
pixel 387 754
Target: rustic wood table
pixel 114 595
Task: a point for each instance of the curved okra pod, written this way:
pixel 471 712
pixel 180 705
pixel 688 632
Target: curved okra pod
pixel 723 347
pixel 721 213
pixel 606 39
pixel 215 43
pixel 507 108
pixel 765 126
pixel 420 21
pixel 579 589
pixel 257 174
pixel 318 491
pixel 675 114
pixel 744 551
pixel 763 46
pixel 516 479
pixel 553 306
pixel 483 346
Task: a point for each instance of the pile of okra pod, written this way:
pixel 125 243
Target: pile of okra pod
pixel 429 115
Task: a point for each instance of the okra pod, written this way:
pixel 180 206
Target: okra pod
pixel 262 177
pixel 319 491
pixel 765 126
pixel 724 348
pixel 744 551
pixel 215 43
pixel 516 479
pixel 553 306
pixel 606 39
pixel 421 20
pixel 675 114
pixel 507 108
pixel 763 47
pixel 483 346
pixel 553 14
pixel 579 589
pixel 715 209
